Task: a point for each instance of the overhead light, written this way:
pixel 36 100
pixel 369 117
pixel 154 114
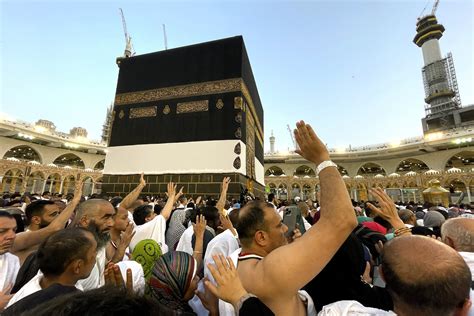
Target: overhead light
pixel 25 136
pixel 71 145
pixel 433 136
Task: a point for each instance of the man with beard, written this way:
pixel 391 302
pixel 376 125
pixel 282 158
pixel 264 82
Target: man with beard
pixel 96 215
pixel 39 214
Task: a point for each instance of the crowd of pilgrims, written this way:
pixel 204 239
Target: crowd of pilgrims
pixel 180 255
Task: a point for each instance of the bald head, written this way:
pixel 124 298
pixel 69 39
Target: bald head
pixel 91 208
pixel 458 233
pixel 407 216
pixel 425 276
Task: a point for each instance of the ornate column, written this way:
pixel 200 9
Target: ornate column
pixel 61 187
pixel 12 185
pixel 44 186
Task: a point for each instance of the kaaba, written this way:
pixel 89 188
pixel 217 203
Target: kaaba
pixel 191 115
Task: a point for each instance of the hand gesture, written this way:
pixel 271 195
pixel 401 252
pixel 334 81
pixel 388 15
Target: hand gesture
pixel 225 184
pixel 198 200
pixel 142 180
pixel 78 190
pixel 310 146
pixel 178 195
pixel 113 277
pixel 200 226
pixel 226 223
pixel 386 209
pixel 171 192
pixel 127 235
pixel 229 287
pixel 5 296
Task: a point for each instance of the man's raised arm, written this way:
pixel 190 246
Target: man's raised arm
pixel 133 196
pixel 290 267
pixel 221 203
pixel 172 198
pixel 28 239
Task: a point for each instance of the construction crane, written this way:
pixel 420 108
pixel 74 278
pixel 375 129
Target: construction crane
pixel 165 37
pixel 433 10
pixel 128 40
pixel 295 145
pixel 435 7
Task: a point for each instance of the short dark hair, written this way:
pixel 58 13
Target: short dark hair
pixel 45 193
pixel 6 214
pixel 211 214
pixel 251 219
pixel 36 208
pixel 141 213
pixel 98 302
pixel 271 197
pixel 59 249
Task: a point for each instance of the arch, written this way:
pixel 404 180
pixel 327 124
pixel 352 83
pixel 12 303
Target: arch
pixel 70 160
pixel 52 183
pixel 274 171
pixel 282 191
pixel 303 171
pixel 12 181
pixel 308 192
pixel 342 170
pixel 23 153
pixel 87 186
pixel 100 165
pixel 463 160
pixel 295 190
pixel 370 169
pixel 68 184
pixel 412 164
pixel 35 182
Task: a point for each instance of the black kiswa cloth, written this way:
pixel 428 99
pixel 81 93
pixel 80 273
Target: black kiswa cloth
pixel 160 81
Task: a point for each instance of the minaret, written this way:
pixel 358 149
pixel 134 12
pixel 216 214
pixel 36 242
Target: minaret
pixel 439 77
pixel 272 144
pixel 107 127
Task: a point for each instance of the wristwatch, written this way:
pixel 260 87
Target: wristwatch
pixel 323 165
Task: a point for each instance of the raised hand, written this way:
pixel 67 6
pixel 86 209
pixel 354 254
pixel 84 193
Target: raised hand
pixel 127 235
pixel 171 192
pixel 78 189
pixel 229 287
pixel 198 200
pixel 200 226
pixel 386 209
pixel 179 194
pixel 310 146
pixel 225 184
pixel 113 277
pixel 142 179
pixel 225 222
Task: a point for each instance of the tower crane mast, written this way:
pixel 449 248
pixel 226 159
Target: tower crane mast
pixel 128 40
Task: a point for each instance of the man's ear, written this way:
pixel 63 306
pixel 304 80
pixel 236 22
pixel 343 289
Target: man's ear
pixel 76 266
pixel 84 221
pixel 260 238
pixel 464 309
pixel 449 241
pixel 36 220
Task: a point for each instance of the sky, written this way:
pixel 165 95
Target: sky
pixel 349 67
